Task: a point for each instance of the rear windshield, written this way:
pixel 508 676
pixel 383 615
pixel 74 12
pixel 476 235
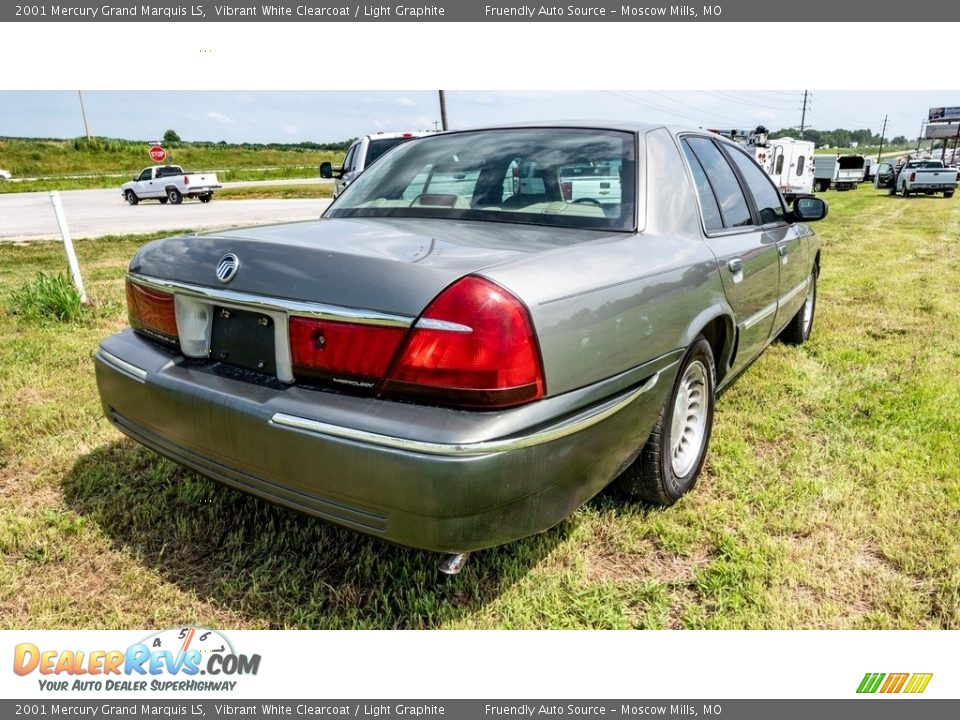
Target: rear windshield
pixel 560 177
pixel 379 147
pixel 925 165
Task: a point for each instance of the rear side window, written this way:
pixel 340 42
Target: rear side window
pixel 800 163
pixel 764 193
pixel 726 188
pixel 712 220
pixel 778 170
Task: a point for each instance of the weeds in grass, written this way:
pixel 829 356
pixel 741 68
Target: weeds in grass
pixel 47 297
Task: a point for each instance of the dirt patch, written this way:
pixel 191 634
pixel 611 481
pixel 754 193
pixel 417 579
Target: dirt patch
pixel 20 485
pixel 651 564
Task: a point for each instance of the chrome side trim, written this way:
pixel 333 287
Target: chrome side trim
pixel 431 324
pixel 138 374
pixel 490 447
pixel 772 307
pixel 265 303
pixel 760 315
pixel 796 291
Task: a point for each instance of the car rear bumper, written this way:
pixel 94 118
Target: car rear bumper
pixel 938 187
pixel 433 478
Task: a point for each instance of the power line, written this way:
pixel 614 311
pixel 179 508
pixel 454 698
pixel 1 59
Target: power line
pixel 698 109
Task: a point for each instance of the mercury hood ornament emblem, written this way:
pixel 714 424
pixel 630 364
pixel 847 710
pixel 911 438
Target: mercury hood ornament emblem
pixel 227 267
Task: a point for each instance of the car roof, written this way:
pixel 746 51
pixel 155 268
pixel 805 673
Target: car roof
pixel 622 125
pixel 393 135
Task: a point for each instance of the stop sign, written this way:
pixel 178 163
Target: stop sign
pixel 158 154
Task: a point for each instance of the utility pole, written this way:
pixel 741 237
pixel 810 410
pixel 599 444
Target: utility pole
pixel 86 127
pixel 882 133
pixel 443 110
pixel 923 124
pixel 803 116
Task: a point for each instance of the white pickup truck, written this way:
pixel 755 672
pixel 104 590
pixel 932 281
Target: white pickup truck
pixel 169 182
pixel 918 177
pixel 362 154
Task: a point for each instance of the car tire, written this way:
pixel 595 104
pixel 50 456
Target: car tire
pixel 662 473
pixel 904 192
pixel 131 197
pixel 798 330
pixel 174 196
pixel 948 193
pixel 206 198
pixel 163 201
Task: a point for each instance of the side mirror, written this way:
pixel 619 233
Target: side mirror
pixel 326 170
pixel 809 209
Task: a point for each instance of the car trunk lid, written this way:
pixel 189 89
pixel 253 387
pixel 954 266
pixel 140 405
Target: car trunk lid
pixel 383 265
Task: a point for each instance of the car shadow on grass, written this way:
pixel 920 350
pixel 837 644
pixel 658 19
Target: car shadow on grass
pixel 274 566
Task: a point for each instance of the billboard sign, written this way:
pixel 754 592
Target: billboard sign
pixel 942 131
pixel 941 114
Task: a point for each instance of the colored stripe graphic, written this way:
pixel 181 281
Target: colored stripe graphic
pixel 918 683
pixel 894 683
pixel 870 682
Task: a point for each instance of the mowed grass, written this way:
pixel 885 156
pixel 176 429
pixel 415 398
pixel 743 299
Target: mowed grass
pixel 298 191
pixel 831 497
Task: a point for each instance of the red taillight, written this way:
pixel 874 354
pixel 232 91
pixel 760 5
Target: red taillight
pixel 152 312
pixel 474 346
pixel 186 180
pixel 913 176
pixel 566 189
pixel 339 351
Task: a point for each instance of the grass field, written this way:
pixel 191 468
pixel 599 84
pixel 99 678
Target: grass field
pixel 79 165
pixel 831 496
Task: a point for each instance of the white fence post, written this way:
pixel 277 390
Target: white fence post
pixel 68 246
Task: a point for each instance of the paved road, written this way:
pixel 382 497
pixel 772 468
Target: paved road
pixel 93 213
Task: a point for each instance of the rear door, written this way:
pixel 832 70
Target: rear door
pixel 746 254
pixel 790 243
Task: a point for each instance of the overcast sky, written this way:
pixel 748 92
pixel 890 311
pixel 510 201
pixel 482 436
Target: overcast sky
pixel 264 116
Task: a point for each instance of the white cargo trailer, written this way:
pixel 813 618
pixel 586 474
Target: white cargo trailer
pixel 788 162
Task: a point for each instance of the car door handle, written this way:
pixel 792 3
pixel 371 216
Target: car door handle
pixel 782 250
pixel 735 266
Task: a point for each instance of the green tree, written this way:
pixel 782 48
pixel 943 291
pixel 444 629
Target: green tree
pixel 170 136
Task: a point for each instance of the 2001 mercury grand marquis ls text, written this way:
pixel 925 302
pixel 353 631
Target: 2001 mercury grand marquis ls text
pixel 481 333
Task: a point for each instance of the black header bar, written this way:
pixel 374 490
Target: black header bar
pixel 642 11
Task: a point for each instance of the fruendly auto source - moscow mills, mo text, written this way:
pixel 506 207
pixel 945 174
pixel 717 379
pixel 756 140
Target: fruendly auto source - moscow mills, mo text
pixel 531 12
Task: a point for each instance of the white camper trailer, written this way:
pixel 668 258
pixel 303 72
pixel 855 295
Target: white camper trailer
pixel 787 161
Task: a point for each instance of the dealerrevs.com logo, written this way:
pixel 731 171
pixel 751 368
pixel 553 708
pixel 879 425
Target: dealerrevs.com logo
pixel 173 659
pixel 910 683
